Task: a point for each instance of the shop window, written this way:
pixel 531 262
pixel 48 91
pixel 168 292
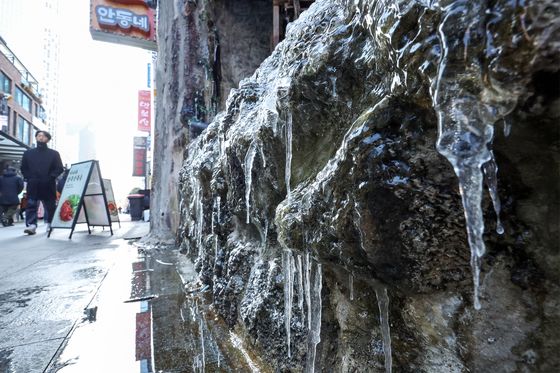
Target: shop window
pixel 5 83
pixel 23 100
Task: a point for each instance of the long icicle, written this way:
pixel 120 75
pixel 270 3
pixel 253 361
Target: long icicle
pixel 383 304
pixel 288 171
pixel 317 305
pixel 288 295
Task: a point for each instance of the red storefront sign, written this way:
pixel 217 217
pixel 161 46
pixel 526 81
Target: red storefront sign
pixel 139 156
pixel 144 111
pixel 128 22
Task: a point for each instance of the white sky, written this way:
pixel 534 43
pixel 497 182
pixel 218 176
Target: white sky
pixel 99 85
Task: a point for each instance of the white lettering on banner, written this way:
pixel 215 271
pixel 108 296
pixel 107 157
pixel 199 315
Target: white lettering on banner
pixel 107 16
pixel 141 22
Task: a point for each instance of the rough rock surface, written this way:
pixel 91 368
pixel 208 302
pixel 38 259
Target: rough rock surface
pixel 320 213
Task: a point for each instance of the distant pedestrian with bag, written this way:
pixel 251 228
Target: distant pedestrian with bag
pixel 11 186
pixel 40 167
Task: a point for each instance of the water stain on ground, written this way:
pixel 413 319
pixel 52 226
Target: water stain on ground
pixel 5 360
pixel 18 298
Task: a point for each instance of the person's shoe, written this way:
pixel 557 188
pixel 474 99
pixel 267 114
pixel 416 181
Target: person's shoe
pixel 48 227
pixel 31 230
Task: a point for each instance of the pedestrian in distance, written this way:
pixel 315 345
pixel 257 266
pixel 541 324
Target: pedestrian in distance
pixel 40 167
pixel 11 186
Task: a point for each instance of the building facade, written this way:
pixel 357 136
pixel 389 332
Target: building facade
pixel 21 109
pixel 36 41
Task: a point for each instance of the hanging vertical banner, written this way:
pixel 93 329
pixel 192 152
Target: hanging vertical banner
pixel 139 156
pixel 83 199
pixel 144 111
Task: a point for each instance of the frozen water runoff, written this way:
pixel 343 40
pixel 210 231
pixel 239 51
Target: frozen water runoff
pixel 261 117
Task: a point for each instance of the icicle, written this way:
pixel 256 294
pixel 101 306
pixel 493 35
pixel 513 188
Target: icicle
pixel 351 285
pixel 217 221
pixel 212 221
pixel 218 202
pixel 507 127
pixel 300 283
pixel 490 169
pixel 202 345
pixel 288 264
pixel 470 185
pixel 288 172
pixel 262 156
pixel 315 332
pixel 383 304
pixel 359 226
pixel 463 138
pixel 307 287
pixel 199 210
pixel 265 235
pixel 249 158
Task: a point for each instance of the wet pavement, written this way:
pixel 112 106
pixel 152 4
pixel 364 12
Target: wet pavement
pixel 140 296
pixel 102 303
pixel 45 284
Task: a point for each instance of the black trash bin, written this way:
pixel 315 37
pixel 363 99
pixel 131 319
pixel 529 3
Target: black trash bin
pixel 136 206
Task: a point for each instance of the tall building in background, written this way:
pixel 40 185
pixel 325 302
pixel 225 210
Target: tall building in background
pixel 32 29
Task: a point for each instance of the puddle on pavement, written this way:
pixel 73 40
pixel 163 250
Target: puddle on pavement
pixel 142 320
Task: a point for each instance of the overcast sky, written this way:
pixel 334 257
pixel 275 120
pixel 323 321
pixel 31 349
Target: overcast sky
pixel 99 85
pixel 98 90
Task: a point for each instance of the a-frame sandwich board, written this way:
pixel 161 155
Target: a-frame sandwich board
pixel 83 199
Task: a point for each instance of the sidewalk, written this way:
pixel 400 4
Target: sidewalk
pixel 134 319
pixel 98 303
pixel 45 285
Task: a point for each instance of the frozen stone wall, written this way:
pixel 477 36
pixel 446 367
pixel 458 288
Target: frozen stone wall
pixel 204 49
pixel 338 209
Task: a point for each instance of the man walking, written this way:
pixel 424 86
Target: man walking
pixel 11 186
pixel 40 167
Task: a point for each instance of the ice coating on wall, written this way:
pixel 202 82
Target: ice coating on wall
pixel 374 122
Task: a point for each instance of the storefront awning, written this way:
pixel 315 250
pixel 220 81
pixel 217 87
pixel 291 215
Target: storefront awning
pixel 11 149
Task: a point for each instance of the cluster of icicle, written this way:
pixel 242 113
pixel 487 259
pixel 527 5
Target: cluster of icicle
pixel 466 130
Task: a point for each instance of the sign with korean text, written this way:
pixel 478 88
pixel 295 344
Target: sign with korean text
pixel 123 22
pixel 83 199
pixel 139 156
pixel 144 111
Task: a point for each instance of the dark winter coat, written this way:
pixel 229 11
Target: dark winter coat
pixel 40 168
pixel 11 186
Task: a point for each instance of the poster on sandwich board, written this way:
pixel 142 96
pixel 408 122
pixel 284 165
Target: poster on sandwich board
pixel 111 203
pixel 82 200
